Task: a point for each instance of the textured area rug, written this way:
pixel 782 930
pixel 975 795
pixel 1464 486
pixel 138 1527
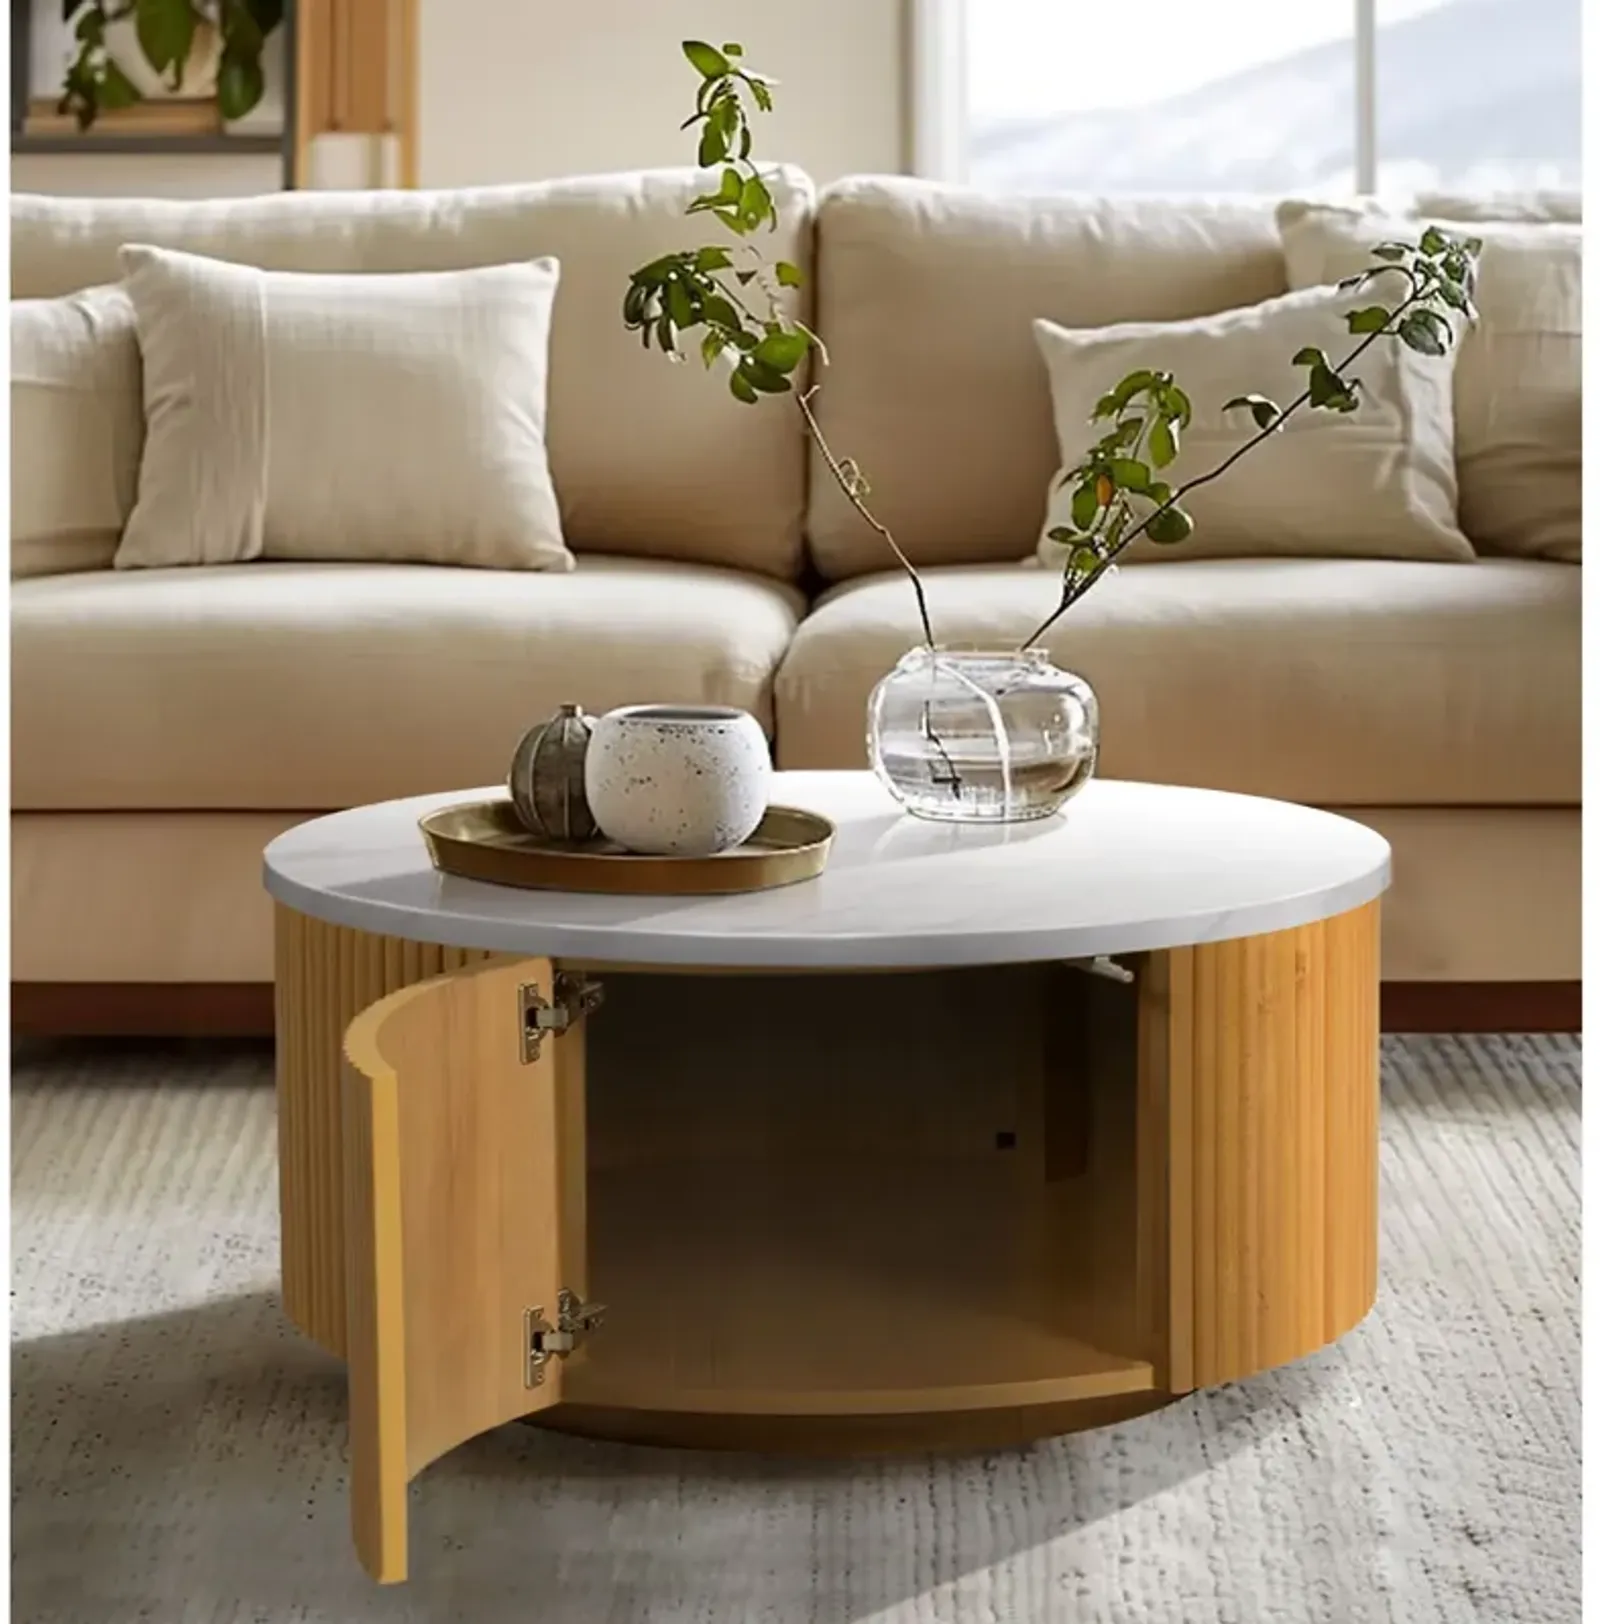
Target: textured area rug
pixel 178 1451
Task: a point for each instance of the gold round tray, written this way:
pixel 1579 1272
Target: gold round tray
pixel 482 840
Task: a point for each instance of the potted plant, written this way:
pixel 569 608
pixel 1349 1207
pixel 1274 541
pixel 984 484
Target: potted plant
pixel 130 49
pixel 1002 735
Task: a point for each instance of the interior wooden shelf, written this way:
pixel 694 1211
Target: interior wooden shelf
pixel 855 1287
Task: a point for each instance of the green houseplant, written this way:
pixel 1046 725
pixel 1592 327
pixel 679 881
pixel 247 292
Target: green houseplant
pixel 166 32
pixel 728 302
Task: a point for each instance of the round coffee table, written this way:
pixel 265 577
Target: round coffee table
pixel 985 1134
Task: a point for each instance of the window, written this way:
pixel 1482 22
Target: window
pixel 1250 95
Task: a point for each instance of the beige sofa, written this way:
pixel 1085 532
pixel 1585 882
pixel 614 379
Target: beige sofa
pixel 167 724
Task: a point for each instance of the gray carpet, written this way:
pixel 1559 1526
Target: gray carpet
pixel 178 1451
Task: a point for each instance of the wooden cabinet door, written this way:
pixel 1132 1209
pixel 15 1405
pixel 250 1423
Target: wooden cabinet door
pixel 463 1176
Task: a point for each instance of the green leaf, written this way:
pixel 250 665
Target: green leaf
pixel 713 259
pixel 1133 384
pixel 1163 442
pixel 1455 297
pixel 1170 526
pixel 1327 387
pixel 116 90
pixel 707 60
pixel 1130 473
pixel 783 350
pixel 1107 406
pixel 742 388
pixel 1125 433
pixel 1426 332
pixel 759 89
pixel 732 50
pixel 1391 251
pixel 166 36
pixel 267 13
pixel 1310 356
pixel 1085 505
pixel 1473 245
pixel 680 305
pixel 1175 403
pixel 1369 319
pixel 240 84
pixel 713 145
pixel 719 311
pixel 755 202
pixel 1083 560
pixel 91 29
pixel 241 32
pixel 664 336
pixel 1360 278
pixel 635 303
pixel 712 345
pixel 763 377
pixel 789 276
pixel 1434 241
pixel 1159 492
pixel 1062 533
pixel 727 194
pixel 1266 412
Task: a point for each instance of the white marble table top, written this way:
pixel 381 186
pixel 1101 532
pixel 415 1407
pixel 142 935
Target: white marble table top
pixel 1125 867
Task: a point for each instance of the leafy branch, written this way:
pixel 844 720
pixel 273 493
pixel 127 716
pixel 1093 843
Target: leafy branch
pixel 1118 475
pixel 710 292
pixel 732 304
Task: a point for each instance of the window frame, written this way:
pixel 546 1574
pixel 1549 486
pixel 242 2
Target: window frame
pixel 939 91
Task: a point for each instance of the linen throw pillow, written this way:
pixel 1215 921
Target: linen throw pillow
pixel 77 425
pixel 1519 377
pixel 298 415
pixel 1378 482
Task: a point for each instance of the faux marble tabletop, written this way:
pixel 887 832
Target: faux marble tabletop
pixel 1124 867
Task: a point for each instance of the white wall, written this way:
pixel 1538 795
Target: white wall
pixel 531 89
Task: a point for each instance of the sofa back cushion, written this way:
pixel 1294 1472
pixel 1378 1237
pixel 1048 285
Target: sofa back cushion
pixel 647 458
pixel 1519 377
pixel 77 426
pixel 926 298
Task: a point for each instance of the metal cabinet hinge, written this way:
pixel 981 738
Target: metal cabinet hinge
pixel 1102 964
pixel 573 997
pixel 543 1341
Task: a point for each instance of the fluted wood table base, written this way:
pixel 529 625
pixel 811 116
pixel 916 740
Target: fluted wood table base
pixel 937 1209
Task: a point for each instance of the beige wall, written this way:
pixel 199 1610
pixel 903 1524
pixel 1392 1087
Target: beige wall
pixel 528 89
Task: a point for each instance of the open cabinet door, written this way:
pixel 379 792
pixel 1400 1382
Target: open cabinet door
pixel 463 1178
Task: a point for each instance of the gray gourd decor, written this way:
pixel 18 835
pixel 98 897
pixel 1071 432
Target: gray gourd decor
pixel 546 779
pixel 998 735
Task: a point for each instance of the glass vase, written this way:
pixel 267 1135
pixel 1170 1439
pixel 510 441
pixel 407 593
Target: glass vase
pixel 982 737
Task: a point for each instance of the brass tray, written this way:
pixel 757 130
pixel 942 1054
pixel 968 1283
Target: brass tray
pixel 482 840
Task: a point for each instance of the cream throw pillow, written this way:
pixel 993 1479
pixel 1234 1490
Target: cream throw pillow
pixel 77 424
pixel 1378 482
pixel 1519 378
pixel 295 415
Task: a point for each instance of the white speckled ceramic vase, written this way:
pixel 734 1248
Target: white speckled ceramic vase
pixel 677 780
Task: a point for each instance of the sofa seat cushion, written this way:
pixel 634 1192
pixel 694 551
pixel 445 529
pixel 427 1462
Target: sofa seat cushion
pixel 1343 682
pixel 307 687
